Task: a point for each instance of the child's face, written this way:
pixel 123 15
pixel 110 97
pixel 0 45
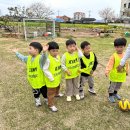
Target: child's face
pixel 54 52
pixel 33 51
pixel 71 48
pixel 119 49
pixel 87 50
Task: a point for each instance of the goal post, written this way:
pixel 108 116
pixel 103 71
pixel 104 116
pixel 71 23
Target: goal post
pixel 33 27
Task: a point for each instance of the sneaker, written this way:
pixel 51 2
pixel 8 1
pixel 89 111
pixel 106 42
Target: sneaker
pixel 111 99
pixel 91 90
pixel 53 109
pixel 81 95
pixel 68 99
pixel 46 101
pixel 77 97
pixel 38 102
pixel 117 96
pixel 59 95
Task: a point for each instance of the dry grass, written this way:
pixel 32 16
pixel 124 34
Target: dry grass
pixel 17 108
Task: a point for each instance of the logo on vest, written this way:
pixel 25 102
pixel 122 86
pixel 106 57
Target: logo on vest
pixel 73 61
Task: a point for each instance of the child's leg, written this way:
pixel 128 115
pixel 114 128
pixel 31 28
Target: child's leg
pixel 76 87
pixel 83 80
pixel 69 87
pixel 43 90
pixel 51 92
pixel 111 91
pixel 117 87
pixel 58 94
pixel 91 85
pixel 36 93
pixel 111 88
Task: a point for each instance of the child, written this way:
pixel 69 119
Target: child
pixel 71 64
pixel 116 78
pixel 34 70
pixel 88 66
pixel 52 71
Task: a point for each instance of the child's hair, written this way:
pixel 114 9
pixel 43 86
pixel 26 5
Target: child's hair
pixel 36 45
pixel 70 42
pixel 124 40
pixel 120 42
pixel 53 45
pixel 84 44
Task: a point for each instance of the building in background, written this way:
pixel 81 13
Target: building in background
pixel 79 15
pixel 64 18
pixel 125 9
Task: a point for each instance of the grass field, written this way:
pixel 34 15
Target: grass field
pixel 18 111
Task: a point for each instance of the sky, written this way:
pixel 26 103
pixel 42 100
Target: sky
pixel 67 7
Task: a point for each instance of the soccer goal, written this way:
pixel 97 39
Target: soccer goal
pixel 38 28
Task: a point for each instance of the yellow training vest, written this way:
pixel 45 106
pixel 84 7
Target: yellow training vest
pixel 35 74
pixel 115 76
pixel 72 64
pixel 55 69
pixel 88 63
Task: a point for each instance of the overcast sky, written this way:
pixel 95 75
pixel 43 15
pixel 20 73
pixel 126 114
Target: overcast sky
pixel 67 7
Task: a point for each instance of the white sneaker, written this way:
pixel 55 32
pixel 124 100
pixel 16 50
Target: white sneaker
pixel 53 109
pixel 38 102
pixel 77 97
pixel 68 99
pixel 59 95
pixel 81 96
pixel 91 90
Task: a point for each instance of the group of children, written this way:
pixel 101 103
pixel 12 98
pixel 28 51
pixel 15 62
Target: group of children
pixel 44 72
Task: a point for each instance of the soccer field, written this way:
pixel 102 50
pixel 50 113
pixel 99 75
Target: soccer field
pixel 17 108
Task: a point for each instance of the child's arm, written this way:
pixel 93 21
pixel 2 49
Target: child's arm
pixel 80 54
pixel 109 65
pixel 63 61
pixel 95 63
pixel 127 68
pixel 126 56
pixel 43 56
pixel 46 71
pixel 20 56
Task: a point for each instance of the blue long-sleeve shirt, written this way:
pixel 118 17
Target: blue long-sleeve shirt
pixel 25 58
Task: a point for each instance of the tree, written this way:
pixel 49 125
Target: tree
pixel 17 11
pixel 38 10
pixel 107 14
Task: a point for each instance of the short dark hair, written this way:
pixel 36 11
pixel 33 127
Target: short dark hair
pixel 120 42
pixel 36 45
pixel 125 41
pixel 53 45
pixel 70 42
pixel 84 44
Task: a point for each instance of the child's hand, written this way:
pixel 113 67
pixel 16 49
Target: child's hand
pixel 106 74
pixel 15 50
pixel 76 48
pixel 126 73
pixel 68 72
pixel 119 68
pixel 45 48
